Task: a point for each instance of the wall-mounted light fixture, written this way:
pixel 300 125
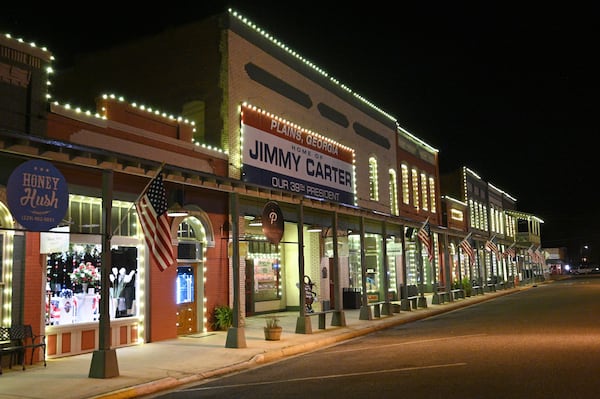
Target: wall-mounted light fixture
pixel 177 211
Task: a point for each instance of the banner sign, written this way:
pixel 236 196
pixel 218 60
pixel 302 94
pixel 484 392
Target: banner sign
pixel 283 156
pixel 58 241
pixel 38 196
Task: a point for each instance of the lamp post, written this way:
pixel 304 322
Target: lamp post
pixel 104 360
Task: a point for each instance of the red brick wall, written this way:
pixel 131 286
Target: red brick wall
pixel 163 310
pixel 35 271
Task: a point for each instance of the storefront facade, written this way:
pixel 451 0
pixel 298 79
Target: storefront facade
pixel 353 188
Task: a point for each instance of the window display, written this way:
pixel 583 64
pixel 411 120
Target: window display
pixel 266 279
pixel 73 284
pixel 263 268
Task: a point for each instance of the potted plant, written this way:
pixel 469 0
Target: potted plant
pixel 272 328
pixel 467 286
pixel 222 317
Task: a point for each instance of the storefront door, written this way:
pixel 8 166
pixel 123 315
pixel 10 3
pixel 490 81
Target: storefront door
pixel 187 314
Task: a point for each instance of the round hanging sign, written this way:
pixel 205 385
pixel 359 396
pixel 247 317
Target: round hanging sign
pixel 38 195
pixel 272 222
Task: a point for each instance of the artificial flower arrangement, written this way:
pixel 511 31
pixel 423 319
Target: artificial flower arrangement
pixel 118 279
pixel 85 274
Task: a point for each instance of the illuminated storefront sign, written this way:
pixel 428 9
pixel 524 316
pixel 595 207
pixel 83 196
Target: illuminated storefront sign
pixel 280 155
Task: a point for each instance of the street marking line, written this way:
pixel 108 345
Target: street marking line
pixel 420 341
pixel 322 377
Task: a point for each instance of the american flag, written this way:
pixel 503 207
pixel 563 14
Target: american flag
pixel 531 252
pixel 491 246
pixel 468 249
pixel 156 225
pixel 539 255
pixel 509 252
pixel 424 235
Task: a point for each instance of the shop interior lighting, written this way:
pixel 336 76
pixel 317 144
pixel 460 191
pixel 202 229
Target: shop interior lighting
pixel 256 222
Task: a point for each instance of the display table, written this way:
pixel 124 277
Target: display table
pixel 86 307
pixel 80 308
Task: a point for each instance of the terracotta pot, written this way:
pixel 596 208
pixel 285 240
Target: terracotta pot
pixel 273 334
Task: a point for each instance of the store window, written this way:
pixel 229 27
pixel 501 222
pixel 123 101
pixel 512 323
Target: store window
pixel 412 275
pixel 74 283
pixel 73 277
pixel 373 263
pixel 264 263
pixel 394 254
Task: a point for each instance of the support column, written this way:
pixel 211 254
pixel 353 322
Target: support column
pixel 303 323
pixel 365 309
pixel 338 318
pixel 236 337
pixel 104 360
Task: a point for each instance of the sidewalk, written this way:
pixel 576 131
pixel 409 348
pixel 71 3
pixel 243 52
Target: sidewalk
pixel 148 368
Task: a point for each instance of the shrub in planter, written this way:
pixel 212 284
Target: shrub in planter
pixel 466 285
pixel 222 317
pixel 272 329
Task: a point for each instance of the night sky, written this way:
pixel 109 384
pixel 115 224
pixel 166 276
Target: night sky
pixel 503 88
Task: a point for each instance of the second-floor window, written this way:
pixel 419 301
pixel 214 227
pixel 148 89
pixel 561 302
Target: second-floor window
pixel 415 188
pixel 424 194
pixel 432 195
pixel 373 182
pixel 405 185
pixel 393 193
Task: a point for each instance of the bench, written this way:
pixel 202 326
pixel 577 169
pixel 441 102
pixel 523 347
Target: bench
pixel 16 340
pixel 412 296
pixel 29 340
pixel 378 306
pixel 478 290
pixel 457 293
pixel 10 347
pixel 441 295
pixel 322 317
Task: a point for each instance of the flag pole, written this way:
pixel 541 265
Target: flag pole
pixel 467 237
pixel 137 199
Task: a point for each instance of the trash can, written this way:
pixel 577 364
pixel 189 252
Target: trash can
pixel 351 298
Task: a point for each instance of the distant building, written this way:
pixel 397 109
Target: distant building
pixel 556 260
